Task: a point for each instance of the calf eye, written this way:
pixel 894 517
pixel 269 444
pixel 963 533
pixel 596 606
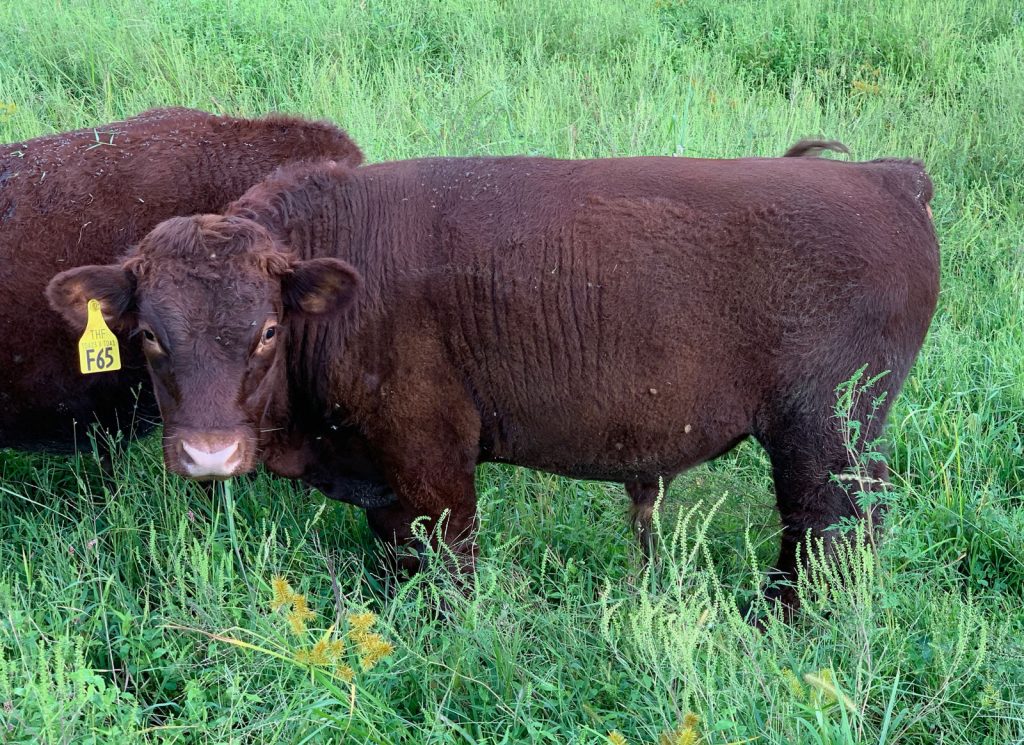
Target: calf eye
pixel 150 343
pixel 267 336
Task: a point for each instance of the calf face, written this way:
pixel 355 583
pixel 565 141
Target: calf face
pixel 215 300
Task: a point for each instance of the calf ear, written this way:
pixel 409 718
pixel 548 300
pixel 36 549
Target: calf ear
pixel 69 294
pixel 320 286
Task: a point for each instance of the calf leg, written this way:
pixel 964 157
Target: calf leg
pixel 392 525
pixel 644 496
pixel 428 455
pixel 807 449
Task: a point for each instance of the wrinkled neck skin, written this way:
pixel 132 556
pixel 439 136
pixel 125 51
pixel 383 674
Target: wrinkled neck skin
pixel 309 432
pixel 303 435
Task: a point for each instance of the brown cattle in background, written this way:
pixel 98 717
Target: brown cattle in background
pixel 85 197
pixel 620 320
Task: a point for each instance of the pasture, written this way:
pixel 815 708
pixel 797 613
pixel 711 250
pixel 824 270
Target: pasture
pixel 145 610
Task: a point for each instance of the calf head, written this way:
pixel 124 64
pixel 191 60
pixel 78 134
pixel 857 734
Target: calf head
pixel 214 299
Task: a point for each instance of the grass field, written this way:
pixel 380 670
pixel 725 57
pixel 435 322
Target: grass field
pixel 122 609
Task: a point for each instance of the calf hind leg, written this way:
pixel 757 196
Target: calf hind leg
pixel 643 494
pixel 807 451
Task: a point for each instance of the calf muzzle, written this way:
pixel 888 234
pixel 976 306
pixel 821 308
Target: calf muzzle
pixel 207 456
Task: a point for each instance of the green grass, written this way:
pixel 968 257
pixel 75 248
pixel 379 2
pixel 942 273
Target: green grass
pixel 111 599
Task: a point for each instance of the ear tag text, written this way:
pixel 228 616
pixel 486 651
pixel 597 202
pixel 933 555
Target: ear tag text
pixel 97 349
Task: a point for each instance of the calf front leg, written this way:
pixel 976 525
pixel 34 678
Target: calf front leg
pixel 428 435
pixel 393 523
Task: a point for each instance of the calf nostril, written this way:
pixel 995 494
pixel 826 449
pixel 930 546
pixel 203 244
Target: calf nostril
pixel 198 452
pixel 206 459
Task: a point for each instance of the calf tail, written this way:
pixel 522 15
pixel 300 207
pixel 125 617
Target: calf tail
pixel 812 148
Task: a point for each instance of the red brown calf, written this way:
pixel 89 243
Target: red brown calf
pixel 85 197
pixel 379 331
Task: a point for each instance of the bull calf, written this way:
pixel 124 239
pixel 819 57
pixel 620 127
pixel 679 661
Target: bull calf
pixel 379 331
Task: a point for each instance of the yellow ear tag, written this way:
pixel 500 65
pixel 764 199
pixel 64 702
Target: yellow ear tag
pixel 97 349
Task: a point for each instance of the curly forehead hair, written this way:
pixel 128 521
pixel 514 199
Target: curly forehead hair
pixel 208 244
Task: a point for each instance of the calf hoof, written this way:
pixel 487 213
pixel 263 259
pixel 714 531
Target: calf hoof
pixel 779 599
pixel 642 520
pixel 647 540
pixel 404 561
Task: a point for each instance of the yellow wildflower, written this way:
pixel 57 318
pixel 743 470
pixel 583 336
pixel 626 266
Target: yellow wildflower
pixel 361 623
pixel 325 652
pixel 616 738
pixel 345 672
pixel 283 593
pixel 372 649
pixel 299 614
pixel 686 734
pixel 865 87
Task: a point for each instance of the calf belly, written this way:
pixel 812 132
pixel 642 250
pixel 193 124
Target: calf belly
pixel 632 440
